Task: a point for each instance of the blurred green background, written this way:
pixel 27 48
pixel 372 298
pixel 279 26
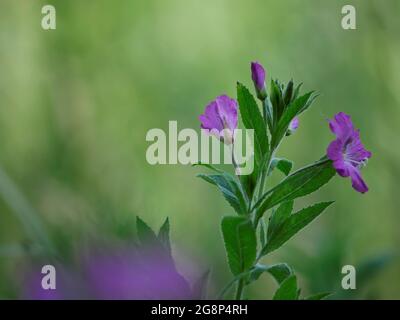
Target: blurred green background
pixel 76 104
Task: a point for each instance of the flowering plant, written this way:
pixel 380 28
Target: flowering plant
pixel 247 236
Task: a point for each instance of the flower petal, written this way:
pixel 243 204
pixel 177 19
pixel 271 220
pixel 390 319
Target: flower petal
pixel 341 126
pixel 342 168
pixel 357 181
pixel 227 110
pixel 355 149
pixel 335 150
pixel 211 119
pixel 220 118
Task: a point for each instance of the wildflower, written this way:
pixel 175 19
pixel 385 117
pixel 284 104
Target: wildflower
pixel 347 152
pixel 220 118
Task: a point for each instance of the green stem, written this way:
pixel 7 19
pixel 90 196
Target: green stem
pixel 262 183
pixel 239 290
pixel 234 162
pixel 264 173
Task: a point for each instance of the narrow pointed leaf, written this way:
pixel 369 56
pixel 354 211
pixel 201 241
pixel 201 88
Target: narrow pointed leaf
pixel 276 99
pixel 163 235
pixel 278 217
pixel 145 234
pixel 240 243
pixel 252 119
pixel 263 238
pixel 231 190
pixel 298 184
pixel 292 110
pixel 297 91
pixel 207 165
pixel 294 224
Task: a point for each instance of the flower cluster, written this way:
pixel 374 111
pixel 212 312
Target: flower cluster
pixel 347 152
pixel 249 236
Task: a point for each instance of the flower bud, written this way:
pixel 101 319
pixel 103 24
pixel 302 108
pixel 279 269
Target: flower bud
pixel 258 76
pixel 288 94
pixel 294 124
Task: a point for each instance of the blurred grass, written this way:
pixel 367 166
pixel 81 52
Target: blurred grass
pixel 76 103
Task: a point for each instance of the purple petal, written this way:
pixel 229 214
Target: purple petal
pixel 228 111
pixel 219 115
pixel 342 168
pixel 342 126
pixel 347 152
pixel 357 181
pixel 335 150
pixel 294 124
pixel 258 75
pixel 355 149
pixel 210 119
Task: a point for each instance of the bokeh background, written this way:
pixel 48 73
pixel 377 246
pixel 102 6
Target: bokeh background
pixel 76 104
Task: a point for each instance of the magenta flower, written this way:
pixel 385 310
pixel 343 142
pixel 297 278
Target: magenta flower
pixel 220 118
pixel 347 152
pixel 258 76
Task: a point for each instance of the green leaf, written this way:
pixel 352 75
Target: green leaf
pixel 145 234
pixel 207 165
pixel 288 93
pixel 288 289
pixel 199 288
pixel 297 91
pixel 252 119
pixel 163 235
pixel 284 165
pixel 231 190
pixel 293 224
pixel 278 217
pixel 267 110
pixel 263 239
pixel 318 296
pixel 278 271
pixel 298 184
pixel 276 99
pixel 240 243
pixel 293 109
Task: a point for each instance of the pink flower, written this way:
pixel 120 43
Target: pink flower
pixel 347 152
pixel 220 118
